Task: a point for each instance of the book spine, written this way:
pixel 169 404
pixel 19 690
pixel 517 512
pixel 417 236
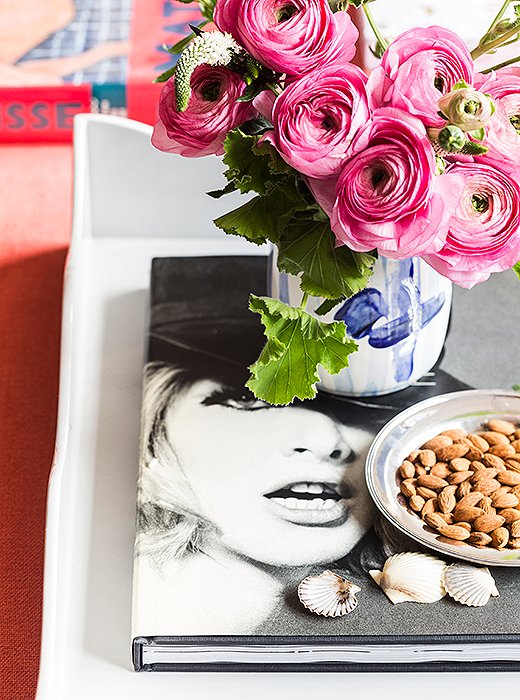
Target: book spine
pixel 41 113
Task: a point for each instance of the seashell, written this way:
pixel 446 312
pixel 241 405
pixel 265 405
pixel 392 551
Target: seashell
pixel 411 576
pixel 469 585
pixel 328 594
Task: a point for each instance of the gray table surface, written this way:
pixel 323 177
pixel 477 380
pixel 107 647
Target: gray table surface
pixel 482 347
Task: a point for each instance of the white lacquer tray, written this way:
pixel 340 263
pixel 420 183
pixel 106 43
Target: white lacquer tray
pixel 131 204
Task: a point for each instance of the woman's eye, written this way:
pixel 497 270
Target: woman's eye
pixel 240 402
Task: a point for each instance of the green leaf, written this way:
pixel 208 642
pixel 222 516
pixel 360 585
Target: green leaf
pixel 478 134
pixel 256 127
pixel 217 194
pixel 296 344
pixel 516 387
pixel 473 149
pixel 329 271
pixel 328 305
pixel 251 91
pixel 251 167
pixel 263 217
pixel 183 43
pixel 166 75
pixel 516 268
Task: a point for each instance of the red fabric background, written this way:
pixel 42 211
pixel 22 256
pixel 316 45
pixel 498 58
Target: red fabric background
pixel 35 207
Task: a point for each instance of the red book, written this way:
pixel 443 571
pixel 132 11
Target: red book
pixel 71 56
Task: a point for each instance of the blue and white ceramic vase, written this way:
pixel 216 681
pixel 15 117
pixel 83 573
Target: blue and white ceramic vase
pixel 399 323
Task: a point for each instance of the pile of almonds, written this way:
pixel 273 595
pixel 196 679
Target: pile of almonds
pixel 466 486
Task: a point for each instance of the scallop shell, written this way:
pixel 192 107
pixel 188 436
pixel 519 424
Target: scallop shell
pixel 411 576
pixel 328 594
pixel 469 585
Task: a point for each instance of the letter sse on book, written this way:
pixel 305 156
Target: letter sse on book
pixel 239 501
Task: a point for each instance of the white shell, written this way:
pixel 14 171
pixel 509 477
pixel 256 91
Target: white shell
pixel 469 585
pixel 328 594
pixel 411 576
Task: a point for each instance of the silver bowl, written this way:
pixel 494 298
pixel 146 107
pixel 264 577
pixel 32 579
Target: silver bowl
pixel 407 432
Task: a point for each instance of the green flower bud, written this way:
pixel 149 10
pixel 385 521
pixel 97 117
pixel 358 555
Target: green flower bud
pixel 451 138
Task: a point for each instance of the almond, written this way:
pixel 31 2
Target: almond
pixel 441 470
pixel 426 493
pixel 488 523
pixel 416 503
pixel 516 445
pixel 464 524
pixel 516 434
pixel 413 456
pixel 407 489
pixel 487 506
pixel 514 542
pixel 434 520
pixel 488 486
pixel 477 466
pixel 467 513
pixel 479 539
pixel 471 499
pixel 504 500
pixel 493 461
pixel 427 458
pixel 502 451
pixel 459 477
pixel 483 474
pixel 474 453
pixel 516 491
pixel 432 482
pixel 446 454
pixel 500 537
pixel 509 478
pixel 437 442
pixel 464 489
pixel 510 515
pixel 513 465
pixel 479 442
pixel 514 528
pixel 407 469
pixel 455 433
pixel 429 507
pixel 494 438
pixel 420 470
pixel 501 426
pixel 454 532
pixel 446 502
pixel 460 464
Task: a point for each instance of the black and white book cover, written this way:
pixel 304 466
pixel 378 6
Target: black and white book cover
pixel 238 501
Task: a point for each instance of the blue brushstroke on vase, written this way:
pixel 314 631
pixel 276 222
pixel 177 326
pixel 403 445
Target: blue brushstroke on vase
pixel 405 313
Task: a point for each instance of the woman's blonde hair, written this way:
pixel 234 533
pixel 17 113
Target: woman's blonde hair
pixel 168 523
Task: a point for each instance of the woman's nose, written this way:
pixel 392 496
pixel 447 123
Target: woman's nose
pixel 323 441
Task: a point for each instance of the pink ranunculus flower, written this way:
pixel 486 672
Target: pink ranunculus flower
pixel 289 36
pixel 316 117
pixel 484 233
pixel 417 69
pixel 503 131
pixel 212 111
pixel 388 196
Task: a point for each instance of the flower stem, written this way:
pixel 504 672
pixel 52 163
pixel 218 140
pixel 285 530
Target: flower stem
pixel 380 38
pixel 303 303
pixel 485 48
pixel 498 66
pixel 497 19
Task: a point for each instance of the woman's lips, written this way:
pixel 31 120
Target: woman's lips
pixel 309 503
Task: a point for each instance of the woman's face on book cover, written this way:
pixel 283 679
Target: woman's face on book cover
pixel 284 486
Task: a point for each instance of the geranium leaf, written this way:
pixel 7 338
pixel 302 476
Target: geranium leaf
pixel 296 344
pixel 263 217
pixel 249 166
pixel 309 246
pixel 516 268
